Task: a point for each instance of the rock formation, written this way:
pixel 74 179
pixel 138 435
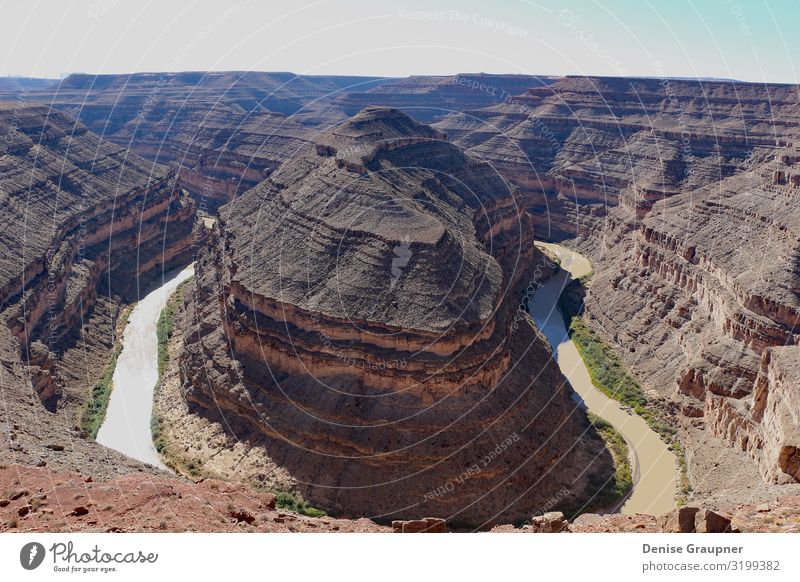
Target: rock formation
pixel 87 225
pixel 222 132
pixel 356 317
pixel 430 98
pixel 225 132
pixel 583 145
pixel 218 151
pixel 706 284
pixel 684 192
pixel 38 500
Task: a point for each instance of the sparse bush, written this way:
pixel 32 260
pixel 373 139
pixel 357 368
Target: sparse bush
pixel 95 410
pixel 285 500
pixel 610 490
pixel 611 377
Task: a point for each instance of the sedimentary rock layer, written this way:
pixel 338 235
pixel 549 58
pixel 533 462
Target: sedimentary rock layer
pixel 86 224
pixel 430 98
pixel 583 145
pixel 223 132
pixel 355 316
pixel 218 151
pixel 707 284
pixel 684 192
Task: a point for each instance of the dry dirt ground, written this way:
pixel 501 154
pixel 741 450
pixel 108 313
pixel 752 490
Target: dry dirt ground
pixel 38 499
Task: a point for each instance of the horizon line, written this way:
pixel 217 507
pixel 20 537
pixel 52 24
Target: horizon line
pixel 705 78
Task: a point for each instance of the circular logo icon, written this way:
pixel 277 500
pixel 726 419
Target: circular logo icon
pixel 31 555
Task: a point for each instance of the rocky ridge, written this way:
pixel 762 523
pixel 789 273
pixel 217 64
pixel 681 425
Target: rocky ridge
pixel 725 323
pixel 683 193
pixel 222 132
pixel 354 317
pixel 225 132
pixel 431 98
pixel 583 145
pixel 40 500
pixel 87 226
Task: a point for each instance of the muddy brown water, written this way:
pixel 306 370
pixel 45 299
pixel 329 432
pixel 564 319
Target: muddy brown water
pixel 654 467
pixel 126 427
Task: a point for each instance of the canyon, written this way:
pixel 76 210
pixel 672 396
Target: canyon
pixel 353 318
pixel 226 132
pixel 353 332
pixel 87 226
pixel 682 193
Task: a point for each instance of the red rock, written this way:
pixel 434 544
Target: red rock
pixel 551 522
pixel 707 521
pixel 680 520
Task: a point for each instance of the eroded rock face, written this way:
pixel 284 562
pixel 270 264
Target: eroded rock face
pixel 83 220
pixel 222 132
pixel 583 145
pixel 356 316
pixel 702 296
pixel 684 192
pixel 219 151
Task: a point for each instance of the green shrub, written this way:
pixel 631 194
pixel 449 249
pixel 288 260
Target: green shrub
pixel 94 412
pixel 285 500
pixel 610 490
pixel 166 325
pixel 611 377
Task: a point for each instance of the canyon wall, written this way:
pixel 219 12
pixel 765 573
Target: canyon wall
pixel 87 227
pixel 582 145
pixel 702 297
pixel 356 316
pixel 431 98
pixel 224 132
pixel 684 194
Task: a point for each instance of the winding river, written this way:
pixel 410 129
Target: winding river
pixel 126 427
pixel 653 465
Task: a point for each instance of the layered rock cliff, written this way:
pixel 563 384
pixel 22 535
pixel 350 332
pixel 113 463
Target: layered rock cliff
pixel 583 145
pixel 684 193
pixel 88 225
pixel 222 132
pixel 356 317
pixel 703 295
pixel 218 151
pixel 430 98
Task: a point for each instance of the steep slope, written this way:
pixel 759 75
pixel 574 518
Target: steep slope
pixel 219 151
pixel 684 193
pixel 703 294
pixel 356 318
pixel 583 145
pixel 87 226
pixel 223 132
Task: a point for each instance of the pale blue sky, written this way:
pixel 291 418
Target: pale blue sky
pixel 754 40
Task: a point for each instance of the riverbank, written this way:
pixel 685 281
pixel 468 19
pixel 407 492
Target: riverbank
pixel 654 466
pixel 126 427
